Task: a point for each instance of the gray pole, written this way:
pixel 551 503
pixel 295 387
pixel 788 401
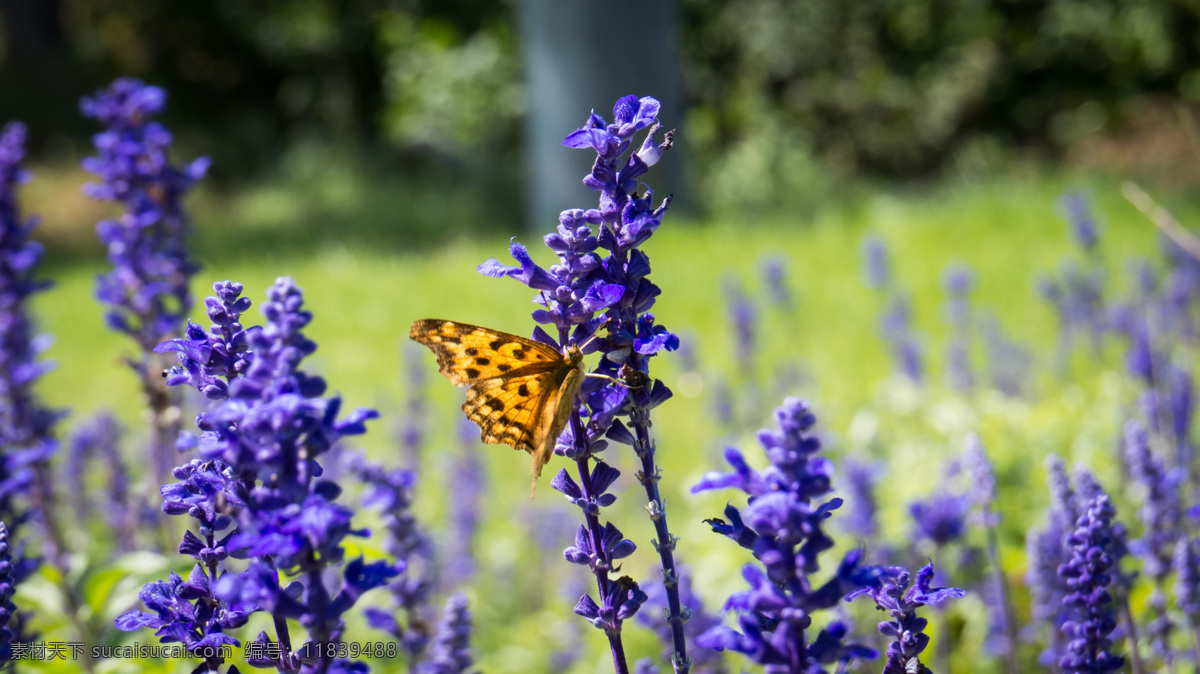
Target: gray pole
pixel 585 54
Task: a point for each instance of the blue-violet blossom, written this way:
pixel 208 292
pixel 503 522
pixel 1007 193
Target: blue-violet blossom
pixel 782 524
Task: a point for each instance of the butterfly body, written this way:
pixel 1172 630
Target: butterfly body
pixel 520 392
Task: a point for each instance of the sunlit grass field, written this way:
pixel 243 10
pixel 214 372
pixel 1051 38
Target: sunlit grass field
pixel 365 292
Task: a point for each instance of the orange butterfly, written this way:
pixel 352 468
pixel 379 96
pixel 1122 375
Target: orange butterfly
pixel 519 391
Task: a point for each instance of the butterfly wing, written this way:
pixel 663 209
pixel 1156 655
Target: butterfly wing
pixel 519 391
pixel 469 353
pixel 526 412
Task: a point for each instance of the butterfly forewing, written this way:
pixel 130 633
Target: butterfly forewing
pixel 519 391
pixel 468 353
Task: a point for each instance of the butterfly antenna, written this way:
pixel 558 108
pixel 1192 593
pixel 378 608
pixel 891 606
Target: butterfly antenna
pixel 595 333
pixel 614 380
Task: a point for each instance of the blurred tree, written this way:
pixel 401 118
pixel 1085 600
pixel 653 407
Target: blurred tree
pixel 906 88
pixel 587 54
pixel 782 97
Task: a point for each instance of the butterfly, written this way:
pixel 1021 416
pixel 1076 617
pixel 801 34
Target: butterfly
pixel 520 392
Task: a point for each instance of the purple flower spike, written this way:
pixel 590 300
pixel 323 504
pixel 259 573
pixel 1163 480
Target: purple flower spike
pixel 98 441
pixel 1187 579
pixel 774 269
pixel 27 426
pixel 451 652
pixel 875 263
pixel 782 524
pixel 601 269
pixel 8 585
pixel 256 492
pixel 147 293
pixel 959 281
pixel 470 484
pixel 1010 365
pixel 1083 225
pixel 1087 576
pixel 1046 551
pixel 391 492
pixel 896 327
pixel 895 597
pixel 982 477
pixel 942 519
pixel 1162 519
pixel 860 479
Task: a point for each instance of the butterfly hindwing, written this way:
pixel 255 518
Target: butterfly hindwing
pixel 519 392
pixel 509 409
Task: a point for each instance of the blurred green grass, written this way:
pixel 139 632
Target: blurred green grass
pixel 366 284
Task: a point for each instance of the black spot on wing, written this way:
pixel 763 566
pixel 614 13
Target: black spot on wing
pixel 495 344
pixel 519 354
pixel 504 367
pixel 471 351
pixel 471 373
pixel 523 390
pixel 481 361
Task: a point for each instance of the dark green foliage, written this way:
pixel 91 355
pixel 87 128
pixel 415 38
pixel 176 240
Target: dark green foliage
pixel 898 88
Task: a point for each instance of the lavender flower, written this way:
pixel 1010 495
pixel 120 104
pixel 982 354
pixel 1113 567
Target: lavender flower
pixel 98 439
pixel 8 585
pixel 896 327
pixel 1009 364
pixel 860 480
pixel 27 440
pixel 451 652
pixel 743 318
pixel 147 291
pixel 1077 296
pixel 470 486
pixel 983 481
pixel 1187 585
pixel 782 525
pixel 1168 405
pixel 1087 577
pixel 774 269
pixel 1083 225
pixel 186 612
pixel 896 321
pixel 189 612
pixel 1046 551
pixel 959 280
pixel 391 491
pixel 259 457
pixel 907 629
pixel 411 433
pixel 584 283
pixel 1161 514
pixel 875 267
pixel 941 519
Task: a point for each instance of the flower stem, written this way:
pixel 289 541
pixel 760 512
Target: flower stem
pixel 1135 657
pixel 1196 640
pixel 665 543
pixel 164 415
pixel 1010 628
pixel 284 637
pixel 43 495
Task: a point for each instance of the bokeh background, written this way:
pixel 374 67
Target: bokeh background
pixel 378 151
